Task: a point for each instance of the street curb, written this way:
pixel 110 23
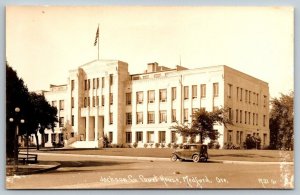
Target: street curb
pixel 163 159
pixel 42 170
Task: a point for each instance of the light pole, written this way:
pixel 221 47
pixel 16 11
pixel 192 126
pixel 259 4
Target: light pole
pixel 17 120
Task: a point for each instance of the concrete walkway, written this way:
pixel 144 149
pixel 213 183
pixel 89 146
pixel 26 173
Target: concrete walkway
pixel 160 159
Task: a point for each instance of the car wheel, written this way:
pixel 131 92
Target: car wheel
pixel 196 158
pixel 173 157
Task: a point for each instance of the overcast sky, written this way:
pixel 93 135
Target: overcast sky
pixel 43 43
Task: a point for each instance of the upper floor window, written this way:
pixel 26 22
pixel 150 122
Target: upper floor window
pixel 151 96
pixel 111 99
pixel 186 92
pixel 151 118
pixel 246 96
pixel 265 100
pixel 186 115
pixel 163 95
pixel 173 115
pixel 237 93
pixel 111 118
pixel 216 89
pixel 139 97
pixel 229 90
pixel 61 121
pixel 61 104
pixel 72 85
pixel 85 84
pixel 249 97
pixel 194 91
pixel 72 102
pixel 241 98
pixel 102 82
pixel 163 116
pixel 54 104
pixel 128 98
pixel 128 118
pixel 173 93
pixel 139 118
pixel 111 79
pixel 203 90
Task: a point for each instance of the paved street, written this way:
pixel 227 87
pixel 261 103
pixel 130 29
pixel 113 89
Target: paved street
pixel 78 171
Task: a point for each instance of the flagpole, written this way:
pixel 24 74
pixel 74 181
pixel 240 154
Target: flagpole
pixel 98 42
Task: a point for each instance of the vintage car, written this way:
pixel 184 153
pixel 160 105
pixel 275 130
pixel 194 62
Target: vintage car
pixel 195 152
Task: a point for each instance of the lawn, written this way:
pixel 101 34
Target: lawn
pixel 239 155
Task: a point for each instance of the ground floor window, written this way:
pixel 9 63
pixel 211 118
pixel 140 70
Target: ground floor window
pixel 46 137
pixel 265 139
pixel 150 136
pixel 139 136
pixel 161 136
pixel 128 137
pixel 173 137
pixel 53 137
pixel 110 136
pixel 229 136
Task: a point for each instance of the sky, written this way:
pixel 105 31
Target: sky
pixel 44 42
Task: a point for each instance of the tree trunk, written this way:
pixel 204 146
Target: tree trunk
pixel 37 141
pixel 201 138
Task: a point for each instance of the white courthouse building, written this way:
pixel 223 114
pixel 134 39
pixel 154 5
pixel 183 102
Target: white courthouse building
pixel 102 99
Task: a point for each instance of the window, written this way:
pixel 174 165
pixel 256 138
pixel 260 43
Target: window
pixel 237 137
pixel 216 89
pixel 111 99
pixel 173 115
pixel 151 118
pixel 61 121
pixel 97 101
pixel 249 97
pixel 245 117
pixel 264 138
pixel 186 115
pixel 151 96
pixel 237 93
pixel 229 90
pixel 173 137
pixel 102 100
pixel 264 120
pixel 128 137
pixel 241 116
pixel 85 84
pixel 46 137
pixel 253 119
pixel 236 115
pixel 230 114
pixel 249 117
pixel 265 101
pixel 72 102
pixel 128 98
pixel 103 82
pixel 194 91
pixel 139 136
pixel 184 139
pixel 203 90
pixel 61 104
pixel 150 137
pixel 163 116
pixel 72 122
pixel 72 85
pixel 256 119
pixel 246 96
pixel 163 95
pixel 173 93
pixel 94 83
pixel 241 98
pixel 139 97
pixel 85 102
pixel 93 101
pixel 110 136
pixel 229 136
pixel 254 98
pixel 111 118
pixel 257 99
pixel 186 92
pixel 128 118
pixel 139 118
pixel 111 79
pixel 97 83
pixel 161 136
pixel 88 101
pixel 54 104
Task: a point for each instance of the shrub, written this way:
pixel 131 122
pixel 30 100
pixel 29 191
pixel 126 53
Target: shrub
pixel 156 145
pixel 180 146
pixel 169 145
pixel 252 142
pixel 150 145
pixel 162 145
pixel 174 145
pixel 231 146
pixel 145 145
pixel 213 144
pixel 134 144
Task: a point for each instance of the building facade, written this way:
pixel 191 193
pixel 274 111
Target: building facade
pixel 101 99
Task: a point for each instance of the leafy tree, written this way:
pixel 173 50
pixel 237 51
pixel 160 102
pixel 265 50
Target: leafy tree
pixel 202 124
pixel 35 110
pixel 282 122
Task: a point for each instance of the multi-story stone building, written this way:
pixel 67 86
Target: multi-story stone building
pixel 102 99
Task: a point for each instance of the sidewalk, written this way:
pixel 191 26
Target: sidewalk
pixel 161 159
pixel 28 169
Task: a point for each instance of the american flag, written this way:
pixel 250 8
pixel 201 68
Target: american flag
pixel 97 36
